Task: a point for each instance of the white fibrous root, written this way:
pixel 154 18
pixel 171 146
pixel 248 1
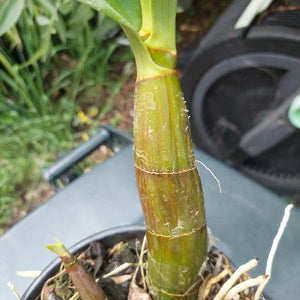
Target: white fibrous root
pixel 234 277
pixel 231 291
pixel 28 274
pixel 244 286
pixel 13 289
pixel 282 226
pixel 212 174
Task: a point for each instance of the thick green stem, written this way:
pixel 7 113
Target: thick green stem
pixel 169 188
pixel 145 31
pixel 167 178
pixel 158 25
pixel 163 31
pixel 146 67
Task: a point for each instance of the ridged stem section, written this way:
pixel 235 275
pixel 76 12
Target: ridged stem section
pixel 169 187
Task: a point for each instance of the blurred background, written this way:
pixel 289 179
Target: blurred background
pixel 64 71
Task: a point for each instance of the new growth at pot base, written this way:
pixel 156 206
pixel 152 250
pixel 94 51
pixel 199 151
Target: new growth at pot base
pixel 121 271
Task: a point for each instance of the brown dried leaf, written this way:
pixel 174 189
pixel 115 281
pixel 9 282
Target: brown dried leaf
pixel 116 249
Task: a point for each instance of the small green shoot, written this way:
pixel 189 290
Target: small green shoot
pixel 86 286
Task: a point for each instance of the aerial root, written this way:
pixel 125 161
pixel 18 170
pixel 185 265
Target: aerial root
pixel 238 285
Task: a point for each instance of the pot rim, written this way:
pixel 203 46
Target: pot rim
pixel 108 237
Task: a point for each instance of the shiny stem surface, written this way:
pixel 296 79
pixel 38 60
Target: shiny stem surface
pixel 169 187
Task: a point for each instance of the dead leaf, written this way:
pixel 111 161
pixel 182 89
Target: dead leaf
pixel 115 249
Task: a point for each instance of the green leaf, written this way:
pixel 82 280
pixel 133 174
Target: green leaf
pixel 126 13
pixel 10 11
pixel 66 6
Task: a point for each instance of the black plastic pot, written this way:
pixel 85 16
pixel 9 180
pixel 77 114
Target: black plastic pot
pixel 108 238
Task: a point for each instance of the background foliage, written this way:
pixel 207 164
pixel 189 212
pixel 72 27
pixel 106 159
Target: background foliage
pixel 51 54
pixel 62 66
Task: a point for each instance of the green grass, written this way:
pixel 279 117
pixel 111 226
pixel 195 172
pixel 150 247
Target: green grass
pixel 54 62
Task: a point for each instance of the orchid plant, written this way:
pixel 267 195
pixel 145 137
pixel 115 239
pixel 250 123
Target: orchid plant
pixel 167 178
